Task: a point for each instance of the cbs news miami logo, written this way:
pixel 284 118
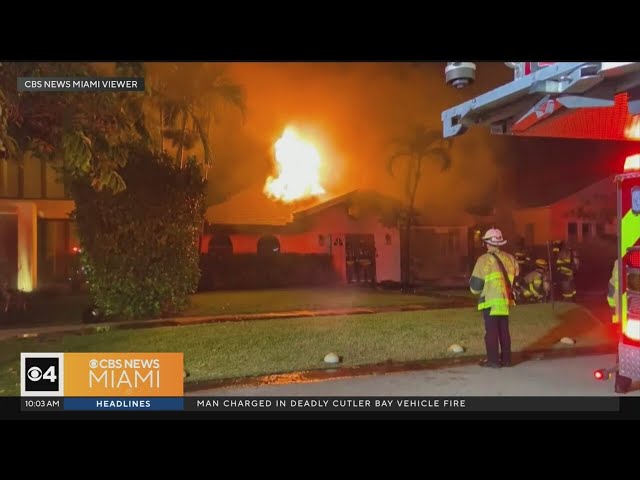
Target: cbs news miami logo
pixel 101 374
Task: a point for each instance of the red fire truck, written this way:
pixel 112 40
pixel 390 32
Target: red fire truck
pixel 582 100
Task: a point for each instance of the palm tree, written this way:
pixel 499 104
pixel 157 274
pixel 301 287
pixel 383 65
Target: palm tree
pixel 189 96
pixel 421 145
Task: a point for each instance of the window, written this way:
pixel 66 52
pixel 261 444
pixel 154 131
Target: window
pixel 321 240
pixel 600 230
pixel 586 230
pixel 529 234
pixel 32 177
pixel 8 178
pixel 268 245
pixel 220 244
pixel 572 231
pixel 54 251
pixel 387 239
pixel 448 243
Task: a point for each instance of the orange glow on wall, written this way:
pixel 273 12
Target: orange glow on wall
pixel 27 246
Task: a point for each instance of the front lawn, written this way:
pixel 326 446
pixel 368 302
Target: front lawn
pixel 49 309
pixel 282 300
pixel 249 348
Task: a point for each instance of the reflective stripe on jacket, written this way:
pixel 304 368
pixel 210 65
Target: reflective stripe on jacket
pixel 535 283
pixel 488 281
pixel 613 291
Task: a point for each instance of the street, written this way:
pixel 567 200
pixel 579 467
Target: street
pixel 558 377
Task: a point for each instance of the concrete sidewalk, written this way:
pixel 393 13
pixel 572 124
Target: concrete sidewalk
pixel 80 329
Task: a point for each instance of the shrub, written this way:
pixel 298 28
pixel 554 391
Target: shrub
pixel 257 271
pixel 140 246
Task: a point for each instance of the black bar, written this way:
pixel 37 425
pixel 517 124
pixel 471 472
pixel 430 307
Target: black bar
pixel 577 408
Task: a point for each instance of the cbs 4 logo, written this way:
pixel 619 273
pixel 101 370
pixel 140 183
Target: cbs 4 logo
pixel 41 374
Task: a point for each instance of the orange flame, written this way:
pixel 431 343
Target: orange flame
pixel 632 130
pixel 298 165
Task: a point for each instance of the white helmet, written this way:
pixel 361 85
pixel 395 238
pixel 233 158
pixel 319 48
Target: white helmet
pixel 493 236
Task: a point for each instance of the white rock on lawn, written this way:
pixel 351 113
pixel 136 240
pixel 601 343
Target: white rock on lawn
pixel 567 341
pixel 455 348
pixel 331 358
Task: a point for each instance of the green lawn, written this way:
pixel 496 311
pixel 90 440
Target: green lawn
pixel 248 348
pixel 67 309
pixel 282 300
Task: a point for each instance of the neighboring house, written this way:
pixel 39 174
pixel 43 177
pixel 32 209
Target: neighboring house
pixel 440 255
pixel 582 217
pixel 37 234
pixel 359 219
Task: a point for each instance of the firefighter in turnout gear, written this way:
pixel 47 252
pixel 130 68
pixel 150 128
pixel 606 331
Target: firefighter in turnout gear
pixel 351 265
pixel 613 291
pixel 522 257
pixel 536 282
pixel 567 264
pixel 492 279
pixel 364 264
pixel 622 383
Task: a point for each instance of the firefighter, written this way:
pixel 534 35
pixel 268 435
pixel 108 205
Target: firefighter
pixel 536 282
pixel 492 279
pixel 522 257
pixel 351 261
pixel 567 264
pixel 364 263
pixel 622 383
pixel 613 291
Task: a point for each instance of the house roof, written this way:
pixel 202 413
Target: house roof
pixel 252 212
pixel 364 198
pixel 251 207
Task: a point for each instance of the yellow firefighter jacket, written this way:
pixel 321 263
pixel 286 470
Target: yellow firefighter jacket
pixel 535 282
pixel 613 291
pixel 487 280
pixel 567 262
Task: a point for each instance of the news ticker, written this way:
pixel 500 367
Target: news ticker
pixel 80 84
pixel 155 382
pixel 327 404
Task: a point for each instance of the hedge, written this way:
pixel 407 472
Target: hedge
pixel 140 246
pixel 247 271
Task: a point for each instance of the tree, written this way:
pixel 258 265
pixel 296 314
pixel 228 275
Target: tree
pixel 140 246
pixel 188 97
pixel 421 145
pixel 89 130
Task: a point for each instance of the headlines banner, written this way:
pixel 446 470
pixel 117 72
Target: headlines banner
pixel 327 404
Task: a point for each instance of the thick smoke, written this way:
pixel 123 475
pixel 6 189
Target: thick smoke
pixel 352 112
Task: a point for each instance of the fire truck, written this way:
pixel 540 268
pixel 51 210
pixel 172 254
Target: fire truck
pixel 580 100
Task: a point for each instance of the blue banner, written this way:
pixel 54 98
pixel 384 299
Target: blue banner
pixel 116 403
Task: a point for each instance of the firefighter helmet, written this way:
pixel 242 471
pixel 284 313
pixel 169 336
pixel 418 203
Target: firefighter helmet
pixel 557 245
pixel 493 236
pixel 541 263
